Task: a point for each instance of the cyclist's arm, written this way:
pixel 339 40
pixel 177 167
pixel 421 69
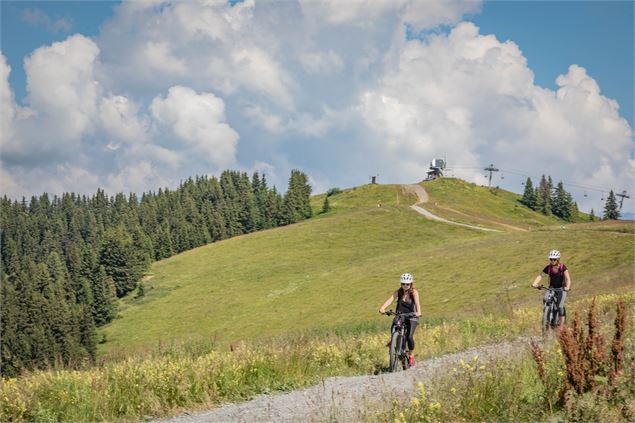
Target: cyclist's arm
pixel 415 295
pixel 536 281
pixel 567 280
pixel 388 302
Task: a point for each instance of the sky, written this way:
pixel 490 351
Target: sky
pixel 136 95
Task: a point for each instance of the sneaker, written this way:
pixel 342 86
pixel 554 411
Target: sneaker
pixel 411 361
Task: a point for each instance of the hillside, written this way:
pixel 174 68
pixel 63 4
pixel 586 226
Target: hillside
pixel 336 269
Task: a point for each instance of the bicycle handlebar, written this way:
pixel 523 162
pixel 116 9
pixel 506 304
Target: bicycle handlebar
pixel 539 287
pixel 394 313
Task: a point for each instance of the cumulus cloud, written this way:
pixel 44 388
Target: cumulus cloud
pixel 471 98
pixel 7 104
pixel 339 89
pixel 119 116
pixel 62 89
pixel 199 121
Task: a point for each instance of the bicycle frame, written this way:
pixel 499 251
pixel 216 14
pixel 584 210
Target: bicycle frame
pixel 550 312
pixel 398 352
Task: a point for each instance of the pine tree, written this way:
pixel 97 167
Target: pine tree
pixel 297 204
pixel 592 216
pixel 104 307
pixel 326 206
pixel 611 211
pixel 121 260
pixel 562 203
pixel 543 197
pixel 88 334
pixel 529 196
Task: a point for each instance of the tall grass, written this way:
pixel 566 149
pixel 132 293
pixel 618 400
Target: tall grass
pixel 172 378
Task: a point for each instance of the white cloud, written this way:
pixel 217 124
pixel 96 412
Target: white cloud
pixel 119 117
pixel 471 98
pixel 321 62
pixel 167 89
pixel 418 14
pixel 62 88
pixel 198 120
pixel 7 104
pixel 38 17
pixel 159 57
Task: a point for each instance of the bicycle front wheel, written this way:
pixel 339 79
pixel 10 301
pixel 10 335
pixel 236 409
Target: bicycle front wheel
pixel 547 315
pixel 393 352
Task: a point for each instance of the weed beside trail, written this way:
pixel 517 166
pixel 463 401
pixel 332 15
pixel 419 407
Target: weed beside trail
pixel 578 378
pixel 192 377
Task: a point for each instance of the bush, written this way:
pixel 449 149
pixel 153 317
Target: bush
pixel 333 191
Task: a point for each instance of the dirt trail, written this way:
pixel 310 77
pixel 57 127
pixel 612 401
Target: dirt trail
pixel 422 195
pixel 348 398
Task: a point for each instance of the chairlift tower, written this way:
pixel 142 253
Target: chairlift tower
pixel 622 197
pixel 491 169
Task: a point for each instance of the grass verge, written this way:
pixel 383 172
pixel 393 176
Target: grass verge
pixel 173 378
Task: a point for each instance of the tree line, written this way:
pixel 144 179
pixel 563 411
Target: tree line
pixel 550 200
pixel 66 260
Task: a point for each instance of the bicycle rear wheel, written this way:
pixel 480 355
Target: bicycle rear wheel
pixel 393 353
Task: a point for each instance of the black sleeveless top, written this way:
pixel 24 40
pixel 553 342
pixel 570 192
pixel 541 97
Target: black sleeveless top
pixel 556 277
pixel 405 306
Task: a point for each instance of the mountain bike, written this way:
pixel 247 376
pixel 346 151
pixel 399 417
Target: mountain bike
pixel 398 352
pixel 550 315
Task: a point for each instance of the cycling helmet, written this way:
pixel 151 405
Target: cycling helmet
pixel 407 278
pixel 554 254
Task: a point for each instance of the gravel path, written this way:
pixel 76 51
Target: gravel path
pixel 422 195
pixel 346 398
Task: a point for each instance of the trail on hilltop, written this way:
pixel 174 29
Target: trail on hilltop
pixel 423 197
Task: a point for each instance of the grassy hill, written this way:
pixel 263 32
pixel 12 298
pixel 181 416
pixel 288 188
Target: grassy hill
pixel 457 200
pixel 336 269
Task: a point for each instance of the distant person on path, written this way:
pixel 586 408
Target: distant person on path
pixel 559 279
pixel 407 302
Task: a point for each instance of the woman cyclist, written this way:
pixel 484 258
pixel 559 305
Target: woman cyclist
pixel 407 302
pixel 558 278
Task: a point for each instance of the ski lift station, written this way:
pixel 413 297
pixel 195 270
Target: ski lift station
pixel 436 169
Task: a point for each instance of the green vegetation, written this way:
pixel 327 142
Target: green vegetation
pixel 198 375
pixel 344 263
pixel 299 302
pixel 611 211
pixel 63 260
pixel 458 200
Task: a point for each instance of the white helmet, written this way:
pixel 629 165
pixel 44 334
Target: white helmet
pixel 407 278
pixel 554 254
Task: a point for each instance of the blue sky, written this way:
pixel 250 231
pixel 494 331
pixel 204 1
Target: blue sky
pixel 595 34
pixel 139 95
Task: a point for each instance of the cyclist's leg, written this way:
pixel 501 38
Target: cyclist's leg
pixel 561 296
pixel 412 326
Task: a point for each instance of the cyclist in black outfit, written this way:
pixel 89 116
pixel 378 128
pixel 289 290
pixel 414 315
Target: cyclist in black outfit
pixel 407 302
pixel 559 278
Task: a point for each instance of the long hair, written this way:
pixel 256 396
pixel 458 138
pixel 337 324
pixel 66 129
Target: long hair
pixel 402 293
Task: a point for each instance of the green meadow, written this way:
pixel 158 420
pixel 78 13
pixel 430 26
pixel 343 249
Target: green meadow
pixel 300 303
pixel 335 270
